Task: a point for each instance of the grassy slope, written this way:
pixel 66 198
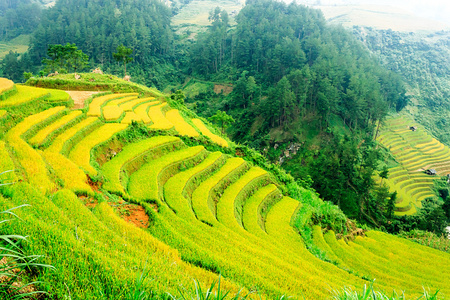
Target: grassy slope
pixel 18 44
pixel 199 230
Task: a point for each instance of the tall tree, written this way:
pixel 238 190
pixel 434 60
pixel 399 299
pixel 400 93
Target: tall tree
pixel 123 55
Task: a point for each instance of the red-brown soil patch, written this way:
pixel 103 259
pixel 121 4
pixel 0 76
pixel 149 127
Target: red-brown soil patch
pixel 225 89
pixel 80 97
pixel 134 214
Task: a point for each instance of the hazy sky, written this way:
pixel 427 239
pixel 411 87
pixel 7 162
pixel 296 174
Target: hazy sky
pixel 433 9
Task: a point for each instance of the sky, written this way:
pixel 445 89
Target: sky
pixel 438 10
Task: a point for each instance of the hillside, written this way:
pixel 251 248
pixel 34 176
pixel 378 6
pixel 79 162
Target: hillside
pixel 380 17
pixel 209 209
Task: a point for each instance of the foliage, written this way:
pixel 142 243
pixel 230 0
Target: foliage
pixel 123 55
pixel 15 263
pixel 426 238
pixel 222 120
pixel 197 294
pixel 64 58
pixel 369 293
pixel 422 60
pixel 18 17
pixel 143 26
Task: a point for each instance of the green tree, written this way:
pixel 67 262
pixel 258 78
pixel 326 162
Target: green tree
pixel 384 174
pixel 391 205
pixel 64 58
pixel 222 119
pixel 123 55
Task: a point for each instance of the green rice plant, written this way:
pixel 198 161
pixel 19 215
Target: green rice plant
pixel 159 120
pixel 112 112
pixel 117 102
pixel 98 102
pixel 180 124
pixel 130 117
pixel 68 135
pixel 113 168
pixel 70 175
pixel 209 294
pixel 390 268
pixel 6 165
pixel 15 263
pixel 229 207
pixel 251 218
pixel 369 293
pixel 47 131
pixel 206 132
pixel 142 111
pixel 145 183
pixel 31 162
pixel 57 96
pixel 128 106
pixel 81 153
pixel 202 204
pixel 320 242
pixel 173 189
pixel 24 95
pixel 428 239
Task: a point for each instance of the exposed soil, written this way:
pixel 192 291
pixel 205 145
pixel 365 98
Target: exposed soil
pixel 80 97
pixel 225 89
pixel 94 185
pixel 134 214
pixel 18 284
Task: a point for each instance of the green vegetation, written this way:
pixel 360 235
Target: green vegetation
pixel 209 212
pixel 423 61
pixel 65 58
pixel 123 55
pixel 275 77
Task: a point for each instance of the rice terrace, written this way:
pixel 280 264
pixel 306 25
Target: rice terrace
pixel 215 208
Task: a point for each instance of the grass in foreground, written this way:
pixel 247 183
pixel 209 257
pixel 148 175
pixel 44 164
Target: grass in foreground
pixel 369 293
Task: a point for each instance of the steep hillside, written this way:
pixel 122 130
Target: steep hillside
pixel 416 151
pixel 209 209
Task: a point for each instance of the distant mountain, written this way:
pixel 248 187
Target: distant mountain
pixel 379 17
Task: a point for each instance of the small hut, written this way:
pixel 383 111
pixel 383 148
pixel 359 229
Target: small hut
pixel 431 172
pixel 413 128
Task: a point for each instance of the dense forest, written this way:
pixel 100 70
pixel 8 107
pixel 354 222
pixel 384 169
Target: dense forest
pixel 19 17
pixel 298 83
pixel 423 60
pixel 301 81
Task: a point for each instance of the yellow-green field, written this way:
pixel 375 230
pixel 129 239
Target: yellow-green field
pixel 416 152
pixel 208 213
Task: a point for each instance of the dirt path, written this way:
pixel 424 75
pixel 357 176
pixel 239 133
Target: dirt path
pixel 80 97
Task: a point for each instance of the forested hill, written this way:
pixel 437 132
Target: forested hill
pixel 423 60
pixel 19 17
pixel 302 65
pixel 300 81
pixel 98 27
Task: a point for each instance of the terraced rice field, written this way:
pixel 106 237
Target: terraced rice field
pixel 416 152
pixel 210 213
pixel 5 85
